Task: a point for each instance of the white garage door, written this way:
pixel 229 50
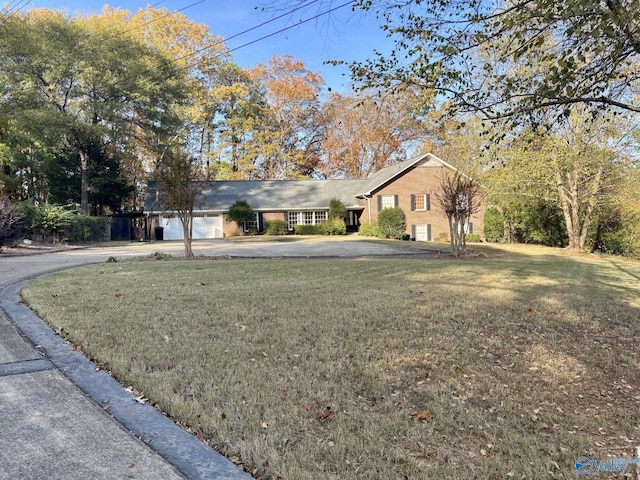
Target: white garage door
pixel 205 225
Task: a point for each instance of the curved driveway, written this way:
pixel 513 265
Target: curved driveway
pixel 61 418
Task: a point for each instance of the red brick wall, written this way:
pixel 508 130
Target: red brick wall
pixel 422 179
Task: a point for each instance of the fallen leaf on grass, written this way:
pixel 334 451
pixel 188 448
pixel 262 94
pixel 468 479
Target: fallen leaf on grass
pixel 325 414
pixel 421 416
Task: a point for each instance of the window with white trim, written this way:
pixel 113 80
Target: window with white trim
pixel 420 202
pixel 422 233
pixel 314 217
pixel 252 224
pixel 387 201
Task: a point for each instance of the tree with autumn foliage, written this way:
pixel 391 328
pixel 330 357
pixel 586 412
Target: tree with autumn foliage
pixel 288 139
pixel 238 103
pixel 366 132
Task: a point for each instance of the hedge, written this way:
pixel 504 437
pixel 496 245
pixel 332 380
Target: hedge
pixel 276 227
pixel 334 226
pixel 370 230
pixel 306 229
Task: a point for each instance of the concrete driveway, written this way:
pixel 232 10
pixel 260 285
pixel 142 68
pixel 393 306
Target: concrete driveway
pixel 61 418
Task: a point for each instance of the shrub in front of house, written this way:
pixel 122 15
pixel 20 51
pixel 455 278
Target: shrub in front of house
pixel 369 230
pixel 472 237
pixel 306 229
pixel 392 223
pixel 276 227
pixel 334 226
pixel 337 209
pixel 240 212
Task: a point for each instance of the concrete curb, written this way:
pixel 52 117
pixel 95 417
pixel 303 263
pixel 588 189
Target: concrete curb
pixel 185 452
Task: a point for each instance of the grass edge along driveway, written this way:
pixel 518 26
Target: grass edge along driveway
pixel 507 365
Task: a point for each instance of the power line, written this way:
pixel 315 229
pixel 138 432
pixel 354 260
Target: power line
pixel 315 17
pixel 217 55
pixel 224 40
pixel 157 19
pixel 14 6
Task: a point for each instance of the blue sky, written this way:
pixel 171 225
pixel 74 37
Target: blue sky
pixel 340 35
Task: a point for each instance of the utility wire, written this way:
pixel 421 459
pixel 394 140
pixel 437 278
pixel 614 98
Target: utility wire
pixel 156 19
pixel 222 41
pixel 14 6
pixel 301 22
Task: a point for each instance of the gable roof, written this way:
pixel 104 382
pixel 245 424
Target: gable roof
pixel 385 175
pixel 270 195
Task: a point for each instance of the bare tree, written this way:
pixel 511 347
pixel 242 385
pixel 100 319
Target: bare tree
pixel 458 197
pixel 179 181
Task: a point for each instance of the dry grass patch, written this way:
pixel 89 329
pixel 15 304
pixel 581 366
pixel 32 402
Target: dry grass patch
pixel 511 366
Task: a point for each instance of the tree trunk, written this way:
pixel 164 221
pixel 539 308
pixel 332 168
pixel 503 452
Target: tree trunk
pixel 84 181
pixel 186 218
pixel 186 235
pixel 565 204
pixel 452 237
pixel 591 203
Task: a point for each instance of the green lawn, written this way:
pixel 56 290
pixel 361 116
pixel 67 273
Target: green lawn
pixel 510 364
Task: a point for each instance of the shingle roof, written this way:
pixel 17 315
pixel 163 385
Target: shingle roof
pixel 272 195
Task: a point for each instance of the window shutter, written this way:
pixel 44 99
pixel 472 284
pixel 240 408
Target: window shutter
pixel 428 232
pixel 427 201
pixel 260 222
pixel 413 232
pixel 379 197
pixel 470 227
pixel 395 200
pixel 413 202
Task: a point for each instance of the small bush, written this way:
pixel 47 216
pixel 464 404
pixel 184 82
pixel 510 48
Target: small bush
pixel 334 226
pixel 276 227
pixel 369 230
pixel 112 260
pixel 306 229
pixel 160 256
pixel 472 237
pixel 392 223
pixel 443 237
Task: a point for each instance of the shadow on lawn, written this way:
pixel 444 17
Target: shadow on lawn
pixel 558 332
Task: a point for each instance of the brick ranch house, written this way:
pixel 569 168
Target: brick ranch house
pixel 410 185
